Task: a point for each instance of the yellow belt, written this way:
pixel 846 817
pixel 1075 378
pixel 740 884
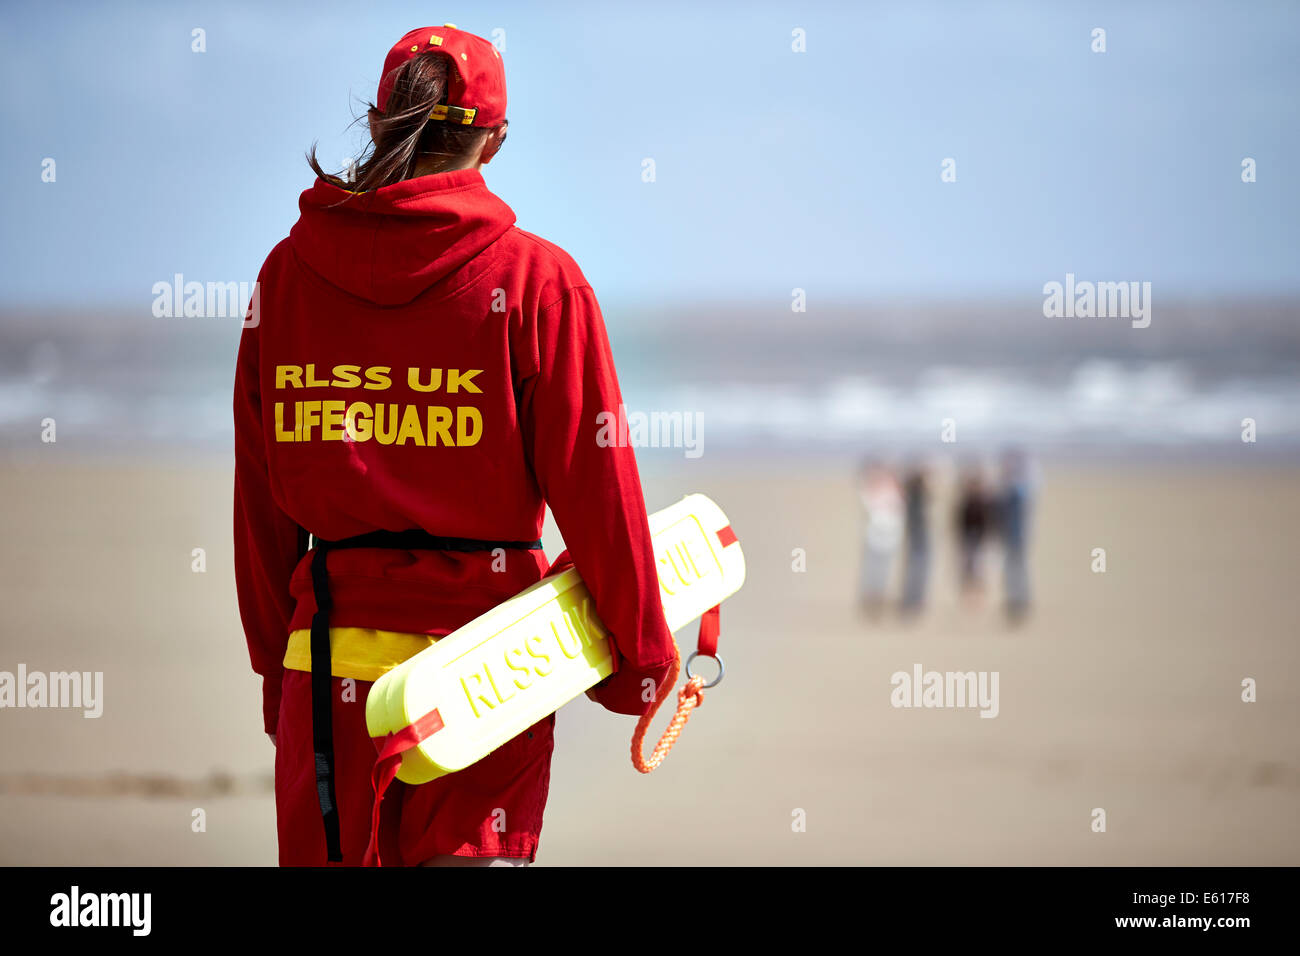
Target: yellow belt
pixel 362 653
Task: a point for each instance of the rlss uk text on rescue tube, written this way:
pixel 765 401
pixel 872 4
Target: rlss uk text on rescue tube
pixel 575 631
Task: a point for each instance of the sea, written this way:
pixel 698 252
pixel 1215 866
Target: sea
pixel 1212 377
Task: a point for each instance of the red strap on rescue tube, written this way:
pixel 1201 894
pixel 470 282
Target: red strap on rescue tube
pixel 710 626
pixel 391 747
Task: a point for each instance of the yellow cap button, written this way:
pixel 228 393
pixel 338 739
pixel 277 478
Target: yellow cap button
pixel 450 26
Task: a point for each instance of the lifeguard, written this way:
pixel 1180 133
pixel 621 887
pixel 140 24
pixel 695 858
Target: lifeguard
pixel 398 438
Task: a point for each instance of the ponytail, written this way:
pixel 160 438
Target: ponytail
pixel 405 134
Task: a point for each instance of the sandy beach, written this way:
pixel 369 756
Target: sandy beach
pixel 1121 692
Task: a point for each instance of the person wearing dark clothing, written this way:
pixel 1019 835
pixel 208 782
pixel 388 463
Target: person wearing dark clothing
pixel 916 569
pixel 976 520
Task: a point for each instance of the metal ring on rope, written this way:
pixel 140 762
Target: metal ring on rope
pixel 721 670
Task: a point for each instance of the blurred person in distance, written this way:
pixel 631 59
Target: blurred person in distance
pixel 1015 505
pixel 881 499
pixel 916 570
pixel 975 521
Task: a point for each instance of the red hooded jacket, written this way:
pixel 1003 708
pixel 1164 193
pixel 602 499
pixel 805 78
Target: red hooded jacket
pixel 419 362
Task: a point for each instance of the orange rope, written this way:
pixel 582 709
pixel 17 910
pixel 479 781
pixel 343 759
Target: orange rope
pixel 688 698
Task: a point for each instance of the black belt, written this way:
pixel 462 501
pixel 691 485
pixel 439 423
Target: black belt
pixel 322 724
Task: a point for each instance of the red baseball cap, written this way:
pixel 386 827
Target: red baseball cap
pixel 476 94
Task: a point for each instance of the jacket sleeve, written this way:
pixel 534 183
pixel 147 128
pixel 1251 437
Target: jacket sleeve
pixel 568 413
pixel 268 544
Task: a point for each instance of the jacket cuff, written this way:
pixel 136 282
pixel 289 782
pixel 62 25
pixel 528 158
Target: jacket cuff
pixel 624 691
pixel 271 688
pixel 562 563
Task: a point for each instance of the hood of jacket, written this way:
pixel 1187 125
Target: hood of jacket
pixel 390 245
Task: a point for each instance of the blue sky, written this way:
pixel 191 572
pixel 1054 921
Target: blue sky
pixel 775 169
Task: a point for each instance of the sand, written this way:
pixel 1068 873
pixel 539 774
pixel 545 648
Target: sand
pixel 1122 692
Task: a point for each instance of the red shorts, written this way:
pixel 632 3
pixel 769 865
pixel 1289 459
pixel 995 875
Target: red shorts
pixel 491 808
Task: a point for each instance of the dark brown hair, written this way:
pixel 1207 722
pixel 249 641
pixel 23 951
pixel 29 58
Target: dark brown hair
pixel 405 134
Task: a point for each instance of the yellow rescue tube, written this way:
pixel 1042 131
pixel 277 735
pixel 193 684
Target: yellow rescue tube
pixel 507 669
